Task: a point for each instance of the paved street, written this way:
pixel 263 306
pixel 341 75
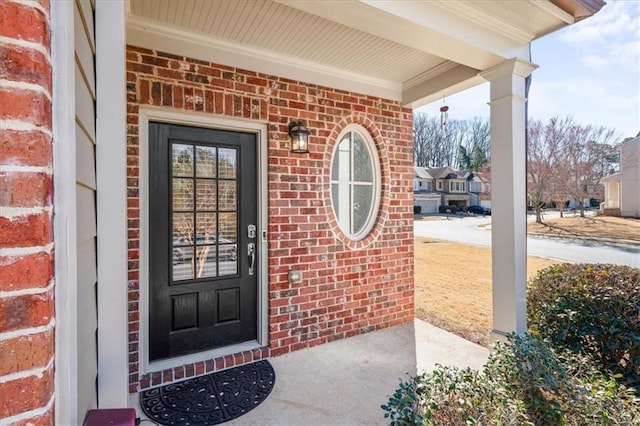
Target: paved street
pixel 477 230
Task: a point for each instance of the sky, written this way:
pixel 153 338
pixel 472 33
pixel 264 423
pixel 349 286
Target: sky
pixel 589 71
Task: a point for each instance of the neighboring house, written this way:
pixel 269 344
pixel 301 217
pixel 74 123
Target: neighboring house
pixel 453 185
pixel 475 189
pixel 180 204
pixel 424 194
pixel 444 186
pixel 484 197
pixel 622 190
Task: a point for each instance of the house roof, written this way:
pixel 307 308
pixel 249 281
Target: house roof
pixel 422 172
pixel 449 173
pixel 612 178
pixel 407 51
pixel 441 173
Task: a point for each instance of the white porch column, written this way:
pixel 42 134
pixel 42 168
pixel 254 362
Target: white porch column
pixel 111 167
pixel 508 196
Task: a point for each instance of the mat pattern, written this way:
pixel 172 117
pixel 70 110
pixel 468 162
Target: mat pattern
pixel 211 399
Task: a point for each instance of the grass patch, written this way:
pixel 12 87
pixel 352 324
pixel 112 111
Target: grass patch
pixel 453 281
pixel 453 286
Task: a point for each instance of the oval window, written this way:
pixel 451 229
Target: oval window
pixel 355 182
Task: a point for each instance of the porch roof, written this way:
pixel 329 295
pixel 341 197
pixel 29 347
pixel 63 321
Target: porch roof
pixel 409 51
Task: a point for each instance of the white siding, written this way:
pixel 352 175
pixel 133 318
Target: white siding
pixel 630 178
pixel 86 206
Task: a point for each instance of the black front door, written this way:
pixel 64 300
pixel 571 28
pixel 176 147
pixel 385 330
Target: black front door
pixel 202 241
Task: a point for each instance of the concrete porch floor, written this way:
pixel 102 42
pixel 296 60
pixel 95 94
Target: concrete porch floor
pixel 345 382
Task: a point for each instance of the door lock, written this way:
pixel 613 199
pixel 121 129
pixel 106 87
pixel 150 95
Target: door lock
pixel 251 231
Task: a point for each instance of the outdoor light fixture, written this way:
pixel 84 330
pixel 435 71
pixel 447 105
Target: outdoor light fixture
pixel 299 135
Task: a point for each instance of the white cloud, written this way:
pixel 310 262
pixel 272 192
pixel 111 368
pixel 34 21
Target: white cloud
pixel 594 61
pixel 627 54
pixel 588 101
pixel 611 37
pixel 615 19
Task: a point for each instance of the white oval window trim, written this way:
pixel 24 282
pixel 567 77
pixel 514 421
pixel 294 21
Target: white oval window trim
pixel 374 206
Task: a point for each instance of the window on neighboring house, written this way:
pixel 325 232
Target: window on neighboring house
pixel 429 186
pixel 456 186
pixel 355 182
pixel 439 184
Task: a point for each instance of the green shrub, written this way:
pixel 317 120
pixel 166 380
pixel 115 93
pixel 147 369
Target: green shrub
pixel 560 387
pixel 524 382
pixel 450 396
pixel 590 309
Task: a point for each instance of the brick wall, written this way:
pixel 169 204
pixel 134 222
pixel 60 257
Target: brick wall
pixel 348 287
pixel 26 236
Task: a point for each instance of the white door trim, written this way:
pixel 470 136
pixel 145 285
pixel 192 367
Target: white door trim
pixel 172 116
pixel 64 220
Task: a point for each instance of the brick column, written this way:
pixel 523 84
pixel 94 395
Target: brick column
pixel 26 209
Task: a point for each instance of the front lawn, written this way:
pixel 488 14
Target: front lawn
pixel 453 281
pixel 609 228
pixel 453 286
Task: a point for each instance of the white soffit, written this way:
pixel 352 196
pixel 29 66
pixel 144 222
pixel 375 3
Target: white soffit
pixel 387 48
pixel 169 39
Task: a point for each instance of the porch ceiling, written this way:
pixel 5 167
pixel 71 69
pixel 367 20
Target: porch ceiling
pixel 410 51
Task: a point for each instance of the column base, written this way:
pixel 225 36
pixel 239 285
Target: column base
pixel 498 336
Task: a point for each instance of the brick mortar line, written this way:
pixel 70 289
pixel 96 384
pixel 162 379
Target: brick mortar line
pixel 17 212
pixel 24 126
pixel 30 414
pixel 27 44
pixel 12 84
pixel 27 331
pixel 37 372
pixel 27 292
pixel 34 5
pixel 10 168
pixel 25 251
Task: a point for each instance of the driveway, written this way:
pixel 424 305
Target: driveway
pixel 477 230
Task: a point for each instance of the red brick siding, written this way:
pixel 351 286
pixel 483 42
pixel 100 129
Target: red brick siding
pixel 26 202
pixel 348 287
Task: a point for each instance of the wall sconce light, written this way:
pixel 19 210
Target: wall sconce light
pixel 299 136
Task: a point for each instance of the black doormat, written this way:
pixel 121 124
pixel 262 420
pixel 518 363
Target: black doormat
pixel 211 399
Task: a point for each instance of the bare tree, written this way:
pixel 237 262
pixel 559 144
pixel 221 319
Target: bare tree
pixel 559 192
pixel 459 144
pixel 432 141
pixel 566 160
pixel 539 166
pixel 545 163
pixel 473 151
pixel 423 136
pixel 585 153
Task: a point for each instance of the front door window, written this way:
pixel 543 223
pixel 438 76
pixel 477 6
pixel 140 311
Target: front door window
pixel 205 209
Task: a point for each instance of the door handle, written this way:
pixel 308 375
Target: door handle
pixel 251 252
